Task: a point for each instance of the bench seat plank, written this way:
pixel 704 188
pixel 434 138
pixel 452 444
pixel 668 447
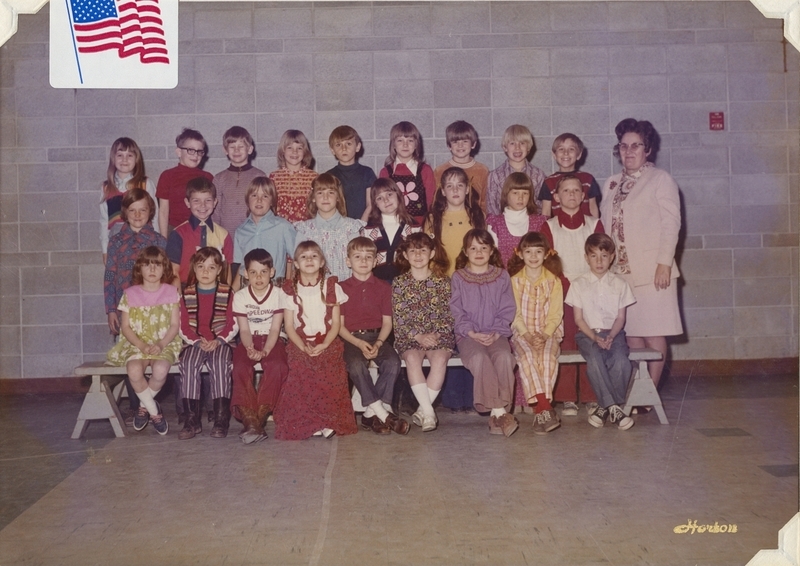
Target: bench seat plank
pixel 101 400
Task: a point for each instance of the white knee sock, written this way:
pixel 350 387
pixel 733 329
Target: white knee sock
pixel 498 412
pixel 432 395
pixel 368 412
pixel 421 393
pixel 153 392
pixel 380 412
pixel 146 397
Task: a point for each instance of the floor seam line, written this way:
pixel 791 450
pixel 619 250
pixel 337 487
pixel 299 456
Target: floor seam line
pixel 326 506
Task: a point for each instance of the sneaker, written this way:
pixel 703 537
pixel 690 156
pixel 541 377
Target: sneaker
pixel 141 418
pixel 545 422
pixel 598 418
pixel 494 426
pixel 508 424
pixel 617 415
pixel 417 418
pixel 160 424
pixel 570 409
pixel 591 407
pixel 641 410
pixel 429 423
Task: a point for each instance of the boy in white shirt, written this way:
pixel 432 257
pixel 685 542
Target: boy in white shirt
pixel 599 299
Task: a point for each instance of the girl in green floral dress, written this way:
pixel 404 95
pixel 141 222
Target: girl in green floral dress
pixel 150 323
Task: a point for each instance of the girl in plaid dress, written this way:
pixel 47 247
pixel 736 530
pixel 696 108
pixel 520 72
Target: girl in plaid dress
pixel 538 327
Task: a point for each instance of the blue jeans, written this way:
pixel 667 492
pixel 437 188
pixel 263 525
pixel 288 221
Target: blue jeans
pixel 388 363
pixel 609 371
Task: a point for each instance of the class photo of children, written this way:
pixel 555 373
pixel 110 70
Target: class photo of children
pixel 400 283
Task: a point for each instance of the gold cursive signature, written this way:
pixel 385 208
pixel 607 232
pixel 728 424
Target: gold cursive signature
pixel 692 527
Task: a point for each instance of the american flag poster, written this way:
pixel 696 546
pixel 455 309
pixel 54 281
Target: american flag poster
pixel 114 43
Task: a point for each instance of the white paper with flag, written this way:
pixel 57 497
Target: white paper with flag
pixel 114 43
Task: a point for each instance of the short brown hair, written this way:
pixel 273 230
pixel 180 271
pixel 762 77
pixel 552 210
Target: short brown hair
pixel 236 133
pixel 460 130
pixel 135 195
pixel 190 134
pixel 361 244
pixel 599 241
pixel 568 136
pixel 200 185
pixel 341 133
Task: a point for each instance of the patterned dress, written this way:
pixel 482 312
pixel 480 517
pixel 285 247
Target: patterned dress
pixel 539 309
pixel 332 235
pixel 293 188
pixel 316 393
pixel 149 315
pixel 421 307
pixel 506 241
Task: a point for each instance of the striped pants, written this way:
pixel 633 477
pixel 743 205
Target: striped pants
pixel 220 364
pixel 537 370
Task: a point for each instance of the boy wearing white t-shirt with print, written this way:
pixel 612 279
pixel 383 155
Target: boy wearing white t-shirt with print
pixel 258 309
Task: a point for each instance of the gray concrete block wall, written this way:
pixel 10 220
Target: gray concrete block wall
pixel 578 66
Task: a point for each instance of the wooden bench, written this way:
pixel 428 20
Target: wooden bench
pixel 101 399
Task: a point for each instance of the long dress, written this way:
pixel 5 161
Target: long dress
pixel 316 393
pixel 149 315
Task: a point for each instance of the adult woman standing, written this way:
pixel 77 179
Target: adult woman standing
pixel 641 209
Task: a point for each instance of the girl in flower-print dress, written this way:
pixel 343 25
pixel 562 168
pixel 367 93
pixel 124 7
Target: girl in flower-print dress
pixel 150 323
pixel 315 401
pixel 423 325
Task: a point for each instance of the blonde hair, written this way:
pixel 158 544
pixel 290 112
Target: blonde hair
pixel 518 133
pixel 325 182
pixel 288 138
pixel 265 184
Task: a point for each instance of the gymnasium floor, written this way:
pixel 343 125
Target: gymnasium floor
pixel 454 496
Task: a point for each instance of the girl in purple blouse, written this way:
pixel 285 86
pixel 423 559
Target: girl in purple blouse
pixel 483 308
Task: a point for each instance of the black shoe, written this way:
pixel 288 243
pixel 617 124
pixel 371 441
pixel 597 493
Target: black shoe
pixel 222 417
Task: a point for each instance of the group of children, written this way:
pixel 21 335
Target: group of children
pixel 320 275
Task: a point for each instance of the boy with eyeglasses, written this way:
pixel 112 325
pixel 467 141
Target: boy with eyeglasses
pixel 190 148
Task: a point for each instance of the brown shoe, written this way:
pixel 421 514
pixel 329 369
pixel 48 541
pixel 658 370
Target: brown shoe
pixel 398 425
pixel 509 424
pixel 375 425
pixel 252 431
pixel 494 426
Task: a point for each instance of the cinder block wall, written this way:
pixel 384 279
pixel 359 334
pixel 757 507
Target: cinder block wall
pixel 555 67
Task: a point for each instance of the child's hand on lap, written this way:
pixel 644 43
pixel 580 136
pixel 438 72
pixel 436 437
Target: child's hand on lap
pixel 604 343
pixel 208 345
pixel 254 354
pixel 483 338
pixel 368 350
pixel 430 340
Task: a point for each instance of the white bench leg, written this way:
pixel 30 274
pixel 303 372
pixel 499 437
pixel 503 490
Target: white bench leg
pixel 643 393
pixel 99 403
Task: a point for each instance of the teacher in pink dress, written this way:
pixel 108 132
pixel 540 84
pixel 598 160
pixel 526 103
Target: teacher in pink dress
pixel 641 209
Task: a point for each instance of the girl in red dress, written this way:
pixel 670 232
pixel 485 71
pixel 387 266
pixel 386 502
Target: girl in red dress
pixel 315 400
